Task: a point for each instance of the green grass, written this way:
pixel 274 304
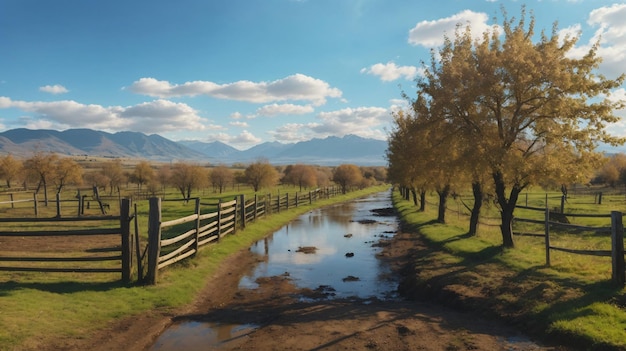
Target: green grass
pixel 36 308
pixel 572 301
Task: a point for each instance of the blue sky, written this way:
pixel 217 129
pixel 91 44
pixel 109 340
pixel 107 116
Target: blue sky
pixel 247 71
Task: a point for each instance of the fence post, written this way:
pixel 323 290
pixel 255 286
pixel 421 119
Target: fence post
pixel 526 199
pixel 287 201
pixel 126 243
pixel 256 208
pixel 195 237
pixel 11 198
pixel 242 199
pixel 547 232
pixel 154 239
pixel 137 247
pixel 617 248
pixel 58 198
pixel 80 203
pixel 36 205
pixel 235 217
pixel 219 220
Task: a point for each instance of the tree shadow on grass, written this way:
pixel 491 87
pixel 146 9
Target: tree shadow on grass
pixel 62 287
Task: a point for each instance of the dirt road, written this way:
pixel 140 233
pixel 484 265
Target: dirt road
pixel 285 322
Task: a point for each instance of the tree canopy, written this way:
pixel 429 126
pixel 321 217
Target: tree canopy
pixel 347 175
pixel 261 174
pixel 519 110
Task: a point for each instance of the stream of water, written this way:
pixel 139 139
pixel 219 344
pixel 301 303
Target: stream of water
pixel 333 247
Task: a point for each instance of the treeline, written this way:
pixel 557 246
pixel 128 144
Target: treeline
pixel 613 172
pixel 502 111
pixel 45 171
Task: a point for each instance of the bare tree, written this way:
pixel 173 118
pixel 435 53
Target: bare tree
pixel 221 176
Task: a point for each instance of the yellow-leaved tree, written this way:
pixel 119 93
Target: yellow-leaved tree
pixel 529 110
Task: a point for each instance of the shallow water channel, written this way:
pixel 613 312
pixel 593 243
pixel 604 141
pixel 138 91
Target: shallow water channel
pixel 343 263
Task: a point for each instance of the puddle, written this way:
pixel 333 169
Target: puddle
pixel 331 250
pixel 200 336
pixel 334 246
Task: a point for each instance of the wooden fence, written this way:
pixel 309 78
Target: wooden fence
pixel 555 219
pixel 80 201
pixel 177 239
pixel 168 242
pixel 32 261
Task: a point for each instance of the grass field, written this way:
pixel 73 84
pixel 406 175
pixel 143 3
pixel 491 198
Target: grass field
pixel 572 301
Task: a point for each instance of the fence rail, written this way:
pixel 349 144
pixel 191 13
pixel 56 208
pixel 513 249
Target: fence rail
pixel 122 230
pixel 168 241
pixel 185 235
pixel 615 230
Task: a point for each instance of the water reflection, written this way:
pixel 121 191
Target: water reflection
pixel 191 336
pixel 343 236
pixel 334 231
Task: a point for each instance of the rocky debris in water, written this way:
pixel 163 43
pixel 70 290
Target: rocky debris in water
pixel 321 292
pixel 366 221
pixel 307 249
pixel 381 244
pixel 351 278
pixel 384 212
pixel 347 236
pixel 349 254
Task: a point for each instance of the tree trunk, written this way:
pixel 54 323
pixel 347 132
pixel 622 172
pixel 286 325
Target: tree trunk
pixel 45 192
pixel 507 207
pixel 414 193
pixel 422 201
pixel 443 197
pixel 477 190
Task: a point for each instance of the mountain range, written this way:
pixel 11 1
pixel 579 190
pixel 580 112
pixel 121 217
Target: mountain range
pixel 329 151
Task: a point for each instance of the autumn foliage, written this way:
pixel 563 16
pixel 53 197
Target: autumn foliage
pixel 501 113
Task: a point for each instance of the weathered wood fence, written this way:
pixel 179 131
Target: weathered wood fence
pixel 174 240
pixel 168 242
pixel 80 201
pixel 33 261
pixel 616 231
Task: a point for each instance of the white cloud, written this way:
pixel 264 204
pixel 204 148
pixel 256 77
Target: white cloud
pixel 236 115
pixel 239 124
pixel 612 34
pixel 398 105
pixel 431 33
pixel 618 128
pixel 293 132
pixel 30 123
pixel 297 87
pixel 363 121
pixel 284 109
pixel 243 140
pixel 570 32
pixel 390 71
pixel 150 117
pixel 53 89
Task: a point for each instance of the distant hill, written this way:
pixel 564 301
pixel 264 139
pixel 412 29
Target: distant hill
pixel 23 142
pixel 329 151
